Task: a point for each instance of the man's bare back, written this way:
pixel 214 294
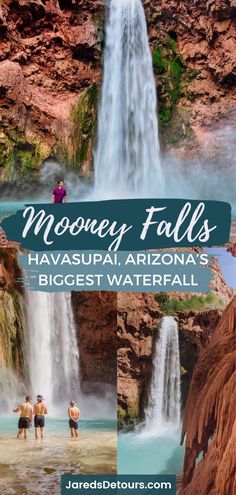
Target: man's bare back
pixel 74 413
pixel 26 410
pixel 40 409
pixel 26 415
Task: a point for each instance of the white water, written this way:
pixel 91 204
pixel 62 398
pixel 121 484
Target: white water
pixel 53 352
pixel 10 389
pixel 164 403
pixel 127 160
pixel 154 447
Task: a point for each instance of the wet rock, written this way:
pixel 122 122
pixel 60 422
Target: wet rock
pixel 95 319
pixel 53 52
pixel 138 318
pixel 13 333
pixel 204 37
pixel 209 423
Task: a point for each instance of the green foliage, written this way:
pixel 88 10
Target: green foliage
pixel 121 413
pixel 168 65
pixel 158 59
pixel 121 418
pixel 83 116
pixel 162 297
pixel 170 305
pixel 172 43
pixel 18 156
pixel 83 151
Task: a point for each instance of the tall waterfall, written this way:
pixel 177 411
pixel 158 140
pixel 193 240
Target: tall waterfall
pixel 164 399
pixel 127 160
pixel 54 358
pixel 10 389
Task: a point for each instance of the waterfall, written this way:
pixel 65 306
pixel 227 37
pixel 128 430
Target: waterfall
pixel 127 160
pixel 164 400
pixel 11 388
pixel 53 353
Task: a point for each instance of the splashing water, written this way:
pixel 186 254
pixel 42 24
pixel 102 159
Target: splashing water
pixel 127 160
pixel 10 389
pixel 54 357
pixel 164 400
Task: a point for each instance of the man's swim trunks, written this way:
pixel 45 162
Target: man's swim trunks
pixel 73 424
pixel 23 423
pixel 39 421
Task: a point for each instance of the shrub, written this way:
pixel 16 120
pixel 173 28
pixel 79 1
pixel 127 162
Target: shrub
pixel 171 306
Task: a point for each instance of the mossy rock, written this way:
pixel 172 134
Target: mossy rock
pixel 169 68
pixel 13 334
pixel 133 411
pixel 128 417
pixel 83 117
pixel 173 78
pixel 20 157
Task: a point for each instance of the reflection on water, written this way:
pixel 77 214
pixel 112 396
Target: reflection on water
pixel 34 467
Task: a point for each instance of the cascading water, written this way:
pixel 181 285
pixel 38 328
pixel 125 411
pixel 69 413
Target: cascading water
pixel 154 447
pixel 10 389
pixel 165 400
pixel 54 357
pixel 127 160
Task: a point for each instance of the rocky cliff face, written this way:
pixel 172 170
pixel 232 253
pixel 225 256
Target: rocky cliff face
pixel 50 71
pixel 194 57
pixel 139 316
pixel 95 319
pixel 209 423
pixel 13 330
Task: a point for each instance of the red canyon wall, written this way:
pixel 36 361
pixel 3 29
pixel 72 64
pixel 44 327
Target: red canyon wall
pixel 50 72
pixel 209 423
pixel 96 323
pixel 194 44
pixel 138 318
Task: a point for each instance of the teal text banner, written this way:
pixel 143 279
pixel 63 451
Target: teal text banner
pixel 134 271
pixel 118 484
pixel 127 225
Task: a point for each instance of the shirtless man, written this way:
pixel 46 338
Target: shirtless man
pixel 74 415
pixel 26 416
pixel 40 409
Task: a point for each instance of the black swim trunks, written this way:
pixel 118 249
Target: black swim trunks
pixel 73 424
pixel 23 423
pixel 39 421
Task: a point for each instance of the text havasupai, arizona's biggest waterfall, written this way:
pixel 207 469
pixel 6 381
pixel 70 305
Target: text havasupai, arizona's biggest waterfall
pixel 127 156
pixel 164 399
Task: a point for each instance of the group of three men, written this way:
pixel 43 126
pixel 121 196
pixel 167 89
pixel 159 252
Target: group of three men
pixel 39 410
